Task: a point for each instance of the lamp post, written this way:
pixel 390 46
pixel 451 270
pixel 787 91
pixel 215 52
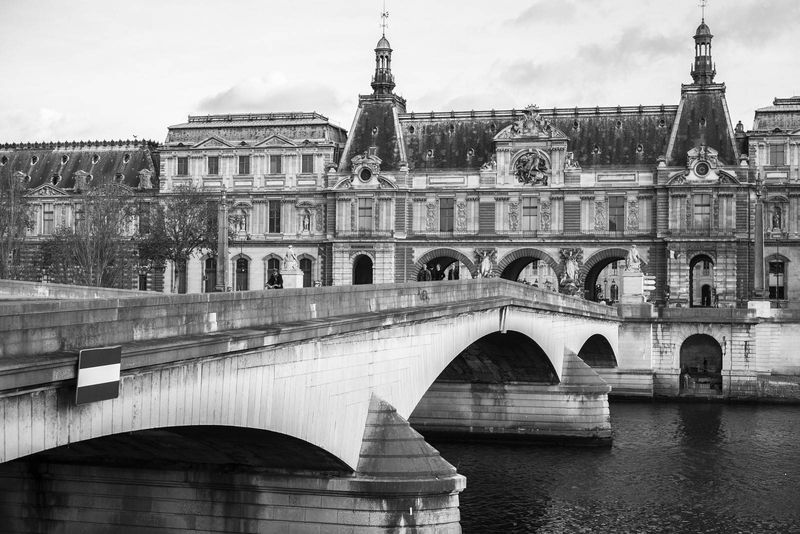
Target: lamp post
pixel 758 282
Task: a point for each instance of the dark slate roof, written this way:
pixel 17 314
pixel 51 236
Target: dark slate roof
pixel 112 157
pixel 464 139
pixel 701 103
pixel 784 114
pixel 253 128
pixel 374 125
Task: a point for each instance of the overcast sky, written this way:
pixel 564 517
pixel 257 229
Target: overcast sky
pixel 92 69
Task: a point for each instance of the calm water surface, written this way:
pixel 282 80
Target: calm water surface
pixel 672 468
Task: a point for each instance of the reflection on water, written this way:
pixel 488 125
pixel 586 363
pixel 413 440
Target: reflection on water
pixel 672 468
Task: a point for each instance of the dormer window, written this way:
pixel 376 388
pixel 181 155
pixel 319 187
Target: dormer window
pixel 55 179
pixel 64 159
pixel 3 161
pixel 126 158
pixel 34 160
pixel 95 159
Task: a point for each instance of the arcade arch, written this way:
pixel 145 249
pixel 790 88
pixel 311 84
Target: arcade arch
pixel 362 270
pixel 445 258
pixel 531 265
pixel 601 274
pixel 702 292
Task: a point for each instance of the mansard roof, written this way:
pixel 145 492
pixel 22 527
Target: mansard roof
pixel 784 114
pixel 102 159
pixel 597 136
pixel 255 127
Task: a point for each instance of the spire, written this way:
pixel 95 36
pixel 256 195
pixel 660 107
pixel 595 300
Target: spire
pixel 703 70
pixel 382 80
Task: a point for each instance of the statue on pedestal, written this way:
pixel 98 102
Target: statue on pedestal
pixel 290 260
pixel 634 261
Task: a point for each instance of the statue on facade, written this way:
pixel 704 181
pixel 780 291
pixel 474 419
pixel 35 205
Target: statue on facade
pixel 486 261
pixel 490 165
pixel 306 222
pixel 570 258
pixel 290 260
pixel 777 218
pixel 634 261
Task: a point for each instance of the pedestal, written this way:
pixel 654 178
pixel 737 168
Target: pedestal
pixel 632 290
pixel 762 308
pixel 292 279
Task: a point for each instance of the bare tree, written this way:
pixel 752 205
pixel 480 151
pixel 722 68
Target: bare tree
pixel 16 218
pixel 184 222
pixel 98 249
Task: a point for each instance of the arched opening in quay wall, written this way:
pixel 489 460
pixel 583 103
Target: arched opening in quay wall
pixel 701 366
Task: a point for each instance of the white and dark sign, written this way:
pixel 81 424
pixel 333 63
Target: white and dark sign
pixel 98 374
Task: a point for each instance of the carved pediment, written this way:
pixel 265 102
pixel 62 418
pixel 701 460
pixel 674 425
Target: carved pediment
pixel 47 190
pixel 276 140
pixel 213 142
pixel 531 125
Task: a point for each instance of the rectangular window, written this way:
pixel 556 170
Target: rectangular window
pixel 276 164
pixel 365 214
pixel 446 209
pixel 777 154
pixel 702 212
pixel 530 213
pixel 213 165
pixel 144 218
pixel 244 165
pixel 616 214
pixel 307 164
pixel 48 219
pixel 183 166
pixel 142 282
pixel 274 217
pixel 572 216
pixel 777 280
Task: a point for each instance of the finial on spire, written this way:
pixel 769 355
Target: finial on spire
pixel 703 4
pixel 385 15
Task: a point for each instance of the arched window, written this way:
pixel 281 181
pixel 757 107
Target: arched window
pixel 702 291
pixel 242 274
pixel 362 270
pixel 776 278
pixel 209 275
pixel 305 267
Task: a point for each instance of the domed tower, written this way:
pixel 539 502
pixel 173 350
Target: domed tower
pixel 703 70
pixel 382 80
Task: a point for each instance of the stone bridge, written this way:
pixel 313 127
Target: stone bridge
pixel 287 409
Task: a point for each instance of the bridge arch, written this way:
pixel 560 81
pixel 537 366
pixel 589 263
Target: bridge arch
pixel 443 254
pixel 597 352
pixel 514 262
pixel 591 269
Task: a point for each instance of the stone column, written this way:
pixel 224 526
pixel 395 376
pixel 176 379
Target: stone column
pixel 759 248
pixel 222 244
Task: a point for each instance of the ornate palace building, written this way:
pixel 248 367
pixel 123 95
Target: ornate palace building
pixel 521 194
pixel 552 196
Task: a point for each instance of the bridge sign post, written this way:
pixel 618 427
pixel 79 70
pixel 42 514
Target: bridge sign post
pixel 98 374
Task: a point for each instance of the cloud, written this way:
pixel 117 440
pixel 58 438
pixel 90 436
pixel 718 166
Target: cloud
pixel 762 21
pixel 43 124
pixel 545 11
pixel 275 93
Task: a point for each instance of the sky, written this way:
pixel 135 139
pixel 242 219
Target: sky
pixel 92 69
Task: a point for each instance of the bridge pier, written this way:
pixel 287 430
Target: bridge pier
pixel 575 410
pixel 401 483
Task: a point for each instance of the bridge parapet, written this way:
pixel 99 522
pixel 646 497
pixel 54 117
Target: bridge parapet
pixel 36 328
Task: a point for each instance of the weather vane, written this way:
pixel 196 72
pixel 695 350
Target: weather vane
pixel 703 4
pixel 384 16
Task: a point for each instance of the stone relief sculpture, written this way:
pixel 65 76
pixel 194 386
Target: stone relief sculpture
pixel 145 179
pixel 600 216
pixel 544 211
pixel 531 124
pixel 633 215
pixel 532 168
pixel 461 216
pixel 430 216
pixel 513 216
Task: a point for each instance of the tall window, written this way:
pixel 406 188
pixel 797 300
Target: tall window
pixel 274 224
pixel 48 219
pixel 183 166
pixel 702 211
pixel 616 214
pixel 244 164
pixel 777 280
pixel 273 264
pixel 305 267
pixel 213 165
pixel 307 164
pixel 242 272
pixel 530 212
pixel 276 164
pixel 777 154
pixel 365 214
pixel 144 218
pixel 446 208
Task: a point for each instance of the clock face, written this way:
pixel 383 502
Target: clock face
pixel 701 169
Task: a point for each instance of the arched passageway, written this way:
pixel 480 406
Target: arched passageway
pixel 452 265
pixel 362 270
pixel 601 275
pixel 532 271
pixel 701 282
pixel 701 365
pixel 597 352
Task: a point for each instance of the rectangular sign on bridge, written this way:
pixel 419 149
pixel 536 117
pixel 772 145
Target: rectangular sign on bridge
pixel 98 374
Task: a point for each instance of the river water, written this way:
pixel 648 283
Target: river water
pixel 674 468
